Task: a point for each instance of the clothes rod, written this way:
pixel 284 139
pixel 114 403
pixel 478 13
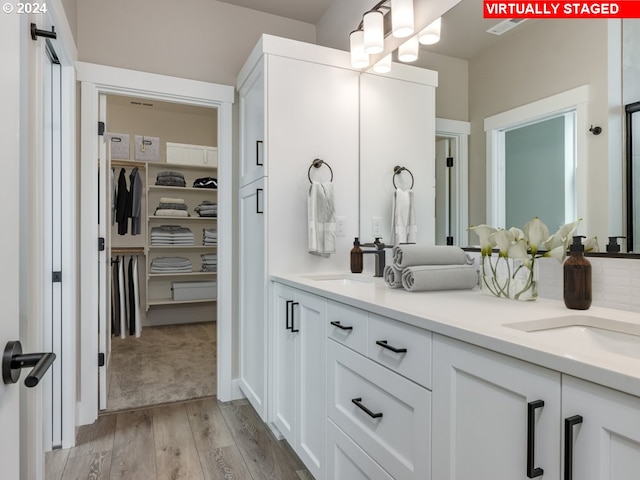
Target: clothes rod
pixel 126 250
pixel 127 163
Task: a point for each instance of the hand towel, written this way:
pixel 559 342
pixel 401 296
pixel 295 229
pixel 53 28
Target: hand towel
pixel 392 276
pixel 439 277
pixel 321 219
pixel 403 217
pixel 410 255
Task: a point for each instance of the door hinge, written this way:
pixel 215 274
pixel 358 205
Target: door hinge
pixel 449 240
pixel 56 277
pixel 100 128
pixel 101 359
pixel 101 244
pixel 449 162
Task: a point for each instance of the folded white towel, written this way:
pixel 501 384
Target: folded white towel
pixel 321 219
pixel 171 200
pixel 409 255
pixel 170 213
pixel 403 217
pixel 439 277
pixel 392 276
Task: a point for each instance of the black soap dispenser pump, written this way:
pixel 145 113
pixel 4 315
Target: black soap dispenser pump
pixel 577 277
pixel 356 257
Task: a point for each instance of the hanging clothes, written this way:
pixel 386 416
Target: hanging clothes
pixel 115 298
pixel 114 196
pixel 136 295
pixel 123 298
pixel 135 198
pixel 132 299
pixel 123 204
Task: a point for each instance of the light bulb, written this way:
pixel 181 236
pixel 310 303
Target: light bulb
pixel 373 32
pixel 431 33
pixel 402 18
pixel 383 65
pixel 359 58
pixel 408 51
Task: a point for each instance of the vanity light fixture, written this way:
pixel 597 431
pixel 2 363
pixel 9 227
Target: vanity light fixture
pixel 383 65
pixel 408 51
pixel 430 35
pixel 402 18
pixel 359 58
pixel 373 22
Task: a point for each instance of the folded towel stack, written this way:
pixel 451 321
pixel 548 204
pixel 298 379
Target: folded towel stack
pixel 171 207
pixel 418 268
pixel 207 209
pixel 172 235
pixel 209 237
pixel 209 262
pixel 169 178
pixel 170 265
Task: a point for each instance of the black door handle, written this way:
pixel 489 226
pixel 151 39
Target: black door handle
pixel 13 361
pixel 258 192
pixel 289 308
pixel 569 423
pixel 358 403
pixel 259 162
pixel 532 472
pixel 340 326
pixel 293 329
pixel 383 344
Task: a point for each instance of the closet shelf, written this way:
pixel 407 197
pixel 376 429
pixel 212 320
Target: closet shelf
pixel 162 188
pixel 169 301
pixel 183 247
pixel 163 217
pixel 186 274
pixel 181 166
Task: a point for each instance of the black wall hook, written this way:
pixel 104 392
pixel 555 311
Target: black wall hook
pixel 35 32
pixel 595 130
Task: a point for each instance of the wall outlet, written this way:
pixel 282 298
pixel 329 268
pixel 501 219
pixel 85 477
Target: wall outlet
pixel 340 226
pixel 376 227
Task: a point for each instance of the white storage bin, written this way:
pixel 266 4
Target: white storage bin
pixel 119 143
pixel 147 149
pixel 201 290
pixel 184 154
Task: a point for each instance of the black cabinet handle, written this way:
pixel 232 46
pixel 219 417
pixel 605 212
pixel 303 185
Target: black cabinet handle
pixel 289 327
pixel 293 330
pixel 532 472
pixel 383 344
pixel 358 403
pixel 569 423
pixel 340 326
pixel 13 361
pixel 258 192
pixel 259 161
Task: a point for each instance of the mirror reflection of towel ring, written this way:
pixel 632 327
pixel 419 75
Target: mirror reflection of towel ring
pixel 318 163
pixel 397 170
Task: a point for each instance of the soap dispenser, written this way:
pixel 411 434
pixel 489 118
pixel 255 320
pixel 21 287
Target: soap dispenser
pixel 577 277
pixel 356 257
pixel 613 246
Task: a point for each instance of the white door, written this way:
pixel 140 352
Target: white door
pixel 443 191
pixel 10 31
pixel 601 427
pixel 485 405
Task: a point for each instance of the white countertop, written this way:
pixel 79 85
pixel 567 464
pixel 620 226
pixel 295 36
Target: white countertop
pixel 472 317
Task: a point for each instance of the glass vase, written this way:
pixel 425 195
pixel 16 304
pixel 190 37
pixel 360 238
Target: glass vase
pixel 509 278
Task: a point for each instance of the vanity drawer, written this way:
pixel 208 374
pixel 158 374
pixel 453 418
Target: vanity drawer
pixel 392 423
pixel 347 325
pixel 415 362
pixel 347 461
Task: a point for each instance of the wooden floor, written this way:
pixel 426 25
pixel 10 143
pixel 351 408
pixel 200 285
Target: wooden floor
pixel 201 439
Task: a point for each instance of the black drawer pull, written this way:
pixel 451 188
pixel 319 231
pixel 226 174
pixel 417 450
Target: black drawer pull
pixel 293 329
pixel 569 423
pixel 358 403
pixel 259 162
pixel 340 326
pixel 383 344
pixel 289 308
pixel 532 471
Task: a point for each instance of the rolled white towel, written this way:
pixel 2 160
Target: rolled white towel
pixel 411 255
pixel 392 276
pixel 423 278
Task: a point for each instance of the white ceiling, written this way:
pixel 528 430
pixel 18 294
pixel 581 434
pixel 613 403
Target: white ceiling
pixel 464 30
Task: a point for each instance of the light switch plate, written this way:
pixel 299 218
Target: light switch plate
pixel 376 227
pixel 340 226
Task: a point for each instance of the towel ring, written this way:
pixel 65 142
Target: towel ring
pixel 318 163
pixel 397 170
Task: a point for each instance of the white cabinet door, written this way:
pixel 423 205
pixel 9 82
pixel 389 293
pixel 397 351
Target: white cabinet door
pixel 604 440
pixel 252 312
pixel 482 403
pixel 285 365
pixel 308 321
pixel 252 151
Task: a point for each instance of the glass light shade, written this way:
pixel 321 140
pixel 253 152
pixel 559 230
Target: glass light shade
pixel 373 32
pixel 402 18
pixel 408 51
pixel 359 58
pixel 431 33
pixel 383 65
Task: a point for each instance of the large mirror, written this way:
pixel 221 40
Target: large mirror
pixel 482 75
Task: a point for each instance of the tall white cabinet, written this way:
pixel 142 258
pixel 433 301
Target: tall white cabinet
pixel 298 102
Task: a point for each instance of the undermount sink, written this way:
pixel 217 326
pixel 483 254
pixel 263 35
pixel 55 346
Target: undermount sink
pixel 341 278
pixel 603 334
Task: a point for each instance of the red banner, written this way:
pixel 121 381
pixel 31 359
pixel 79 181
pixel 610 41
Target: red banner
pixel 561 9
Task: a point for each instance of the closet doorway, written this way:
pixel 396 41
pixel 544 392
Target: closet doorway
pixel 158 269
pixel 155 298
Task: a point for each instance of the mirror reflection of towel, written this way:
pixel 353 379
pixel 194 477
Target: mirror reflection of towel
pixel 321 219
pixel 403 217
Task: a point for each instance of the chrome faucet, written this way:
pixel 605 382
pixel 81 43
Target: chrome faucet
pixel 379 253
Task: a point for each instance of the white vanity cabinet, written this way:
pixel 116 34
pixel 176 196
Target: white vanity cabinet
pixel 488 419
pixel 299 378
pixel 601 428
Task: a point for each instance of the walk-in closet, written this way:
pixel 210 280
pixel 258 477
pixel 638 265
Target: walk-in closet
pixel 158 214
